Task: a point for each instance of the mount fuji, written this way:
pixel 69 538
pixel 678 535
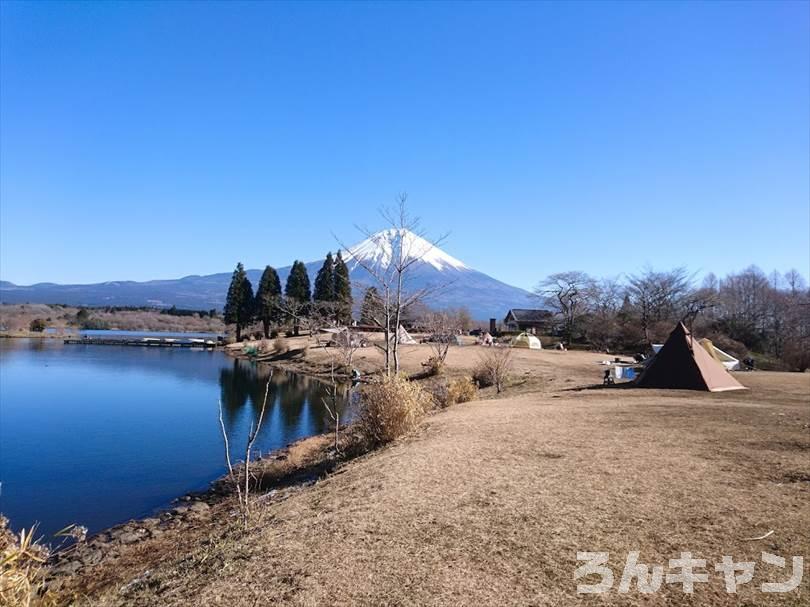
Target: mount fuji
pixel 451 282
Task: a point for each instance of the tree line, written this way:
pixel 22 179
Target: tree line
pixel 744 313
pixel 329 301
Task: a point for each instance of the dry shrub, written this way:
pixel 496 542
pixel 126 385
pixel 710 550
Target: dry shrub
pixel 22 568
pixel 461 390
pixel 280 345
pixel 493 368
pixel 390 408
pixel 433 366
pixel 264 346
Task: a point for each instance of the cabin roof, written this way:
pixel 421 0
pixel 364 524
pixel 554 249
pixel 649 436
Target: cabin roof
pixel 527 315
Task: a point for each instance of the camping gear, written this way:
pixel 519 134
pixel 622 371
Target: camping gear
pixel 683 364
pixel 725 359
pixel 524 340
pixel 403 337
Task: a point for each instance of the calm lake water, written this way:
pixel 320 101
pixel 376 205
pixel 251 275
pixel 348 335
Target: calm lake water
pixel 96 435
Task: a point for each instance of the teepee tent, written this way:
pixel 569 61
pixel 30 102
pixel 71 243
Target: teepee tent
pixel 403 337
pixel 724 358
pixel 683 364
pixel 524 340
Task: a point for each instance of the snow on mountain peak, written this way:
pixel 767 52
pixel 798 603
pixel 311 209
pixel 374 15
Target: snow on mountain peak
pixel 380 248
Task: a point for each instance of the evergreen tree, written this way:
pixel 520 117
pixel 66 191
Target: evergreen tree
pixel 343 291
pixel 325 282
pixel 297 285
pixel 239 302
pixel 370 308
pixel 297 290
pixel 268 297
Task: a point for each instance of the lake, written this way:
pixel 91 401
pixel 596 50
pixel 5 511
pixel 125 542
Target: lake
pixel 96 435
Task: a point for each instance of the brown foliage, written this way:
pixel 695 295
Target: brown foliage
pixel 22 568
pixel 390 408
pixel 461 390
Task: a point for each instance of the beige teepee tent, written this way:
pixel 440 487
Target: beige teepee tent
pixel 403 337
pixel 683 363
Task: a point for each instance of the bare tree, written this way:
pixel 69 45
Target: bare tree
pixel 658 296
pixel 566 293
pixel 243 494
pixel 603 303
pixel 441 327
pixel 341 355
pixel 408 246
pixel 346 344
pixel 795 281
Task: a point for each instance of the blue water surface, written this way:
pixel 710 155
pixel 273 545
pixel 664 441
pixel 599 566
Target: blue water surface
pixel 96 435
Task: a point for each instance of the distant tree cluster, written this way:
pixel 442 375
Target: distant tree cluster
pixel 175 311
pixel 299 305
pixel 745 312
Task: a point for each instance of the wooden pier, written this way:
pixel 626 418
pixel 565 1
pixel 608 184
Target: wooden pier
pixel 146 342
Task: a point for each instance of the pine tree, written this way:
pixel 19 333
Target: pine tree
pixel 325 282
pixel 297 290
pixel 370 308
pixel 343 291
pixel 268 297
pixel 297 285
pixel 239 302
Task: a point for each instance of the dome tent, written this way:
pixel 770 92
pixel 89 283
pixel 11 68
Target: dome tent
pixel 524 340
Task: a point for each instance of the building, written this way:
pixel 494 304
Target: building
pixel 531 321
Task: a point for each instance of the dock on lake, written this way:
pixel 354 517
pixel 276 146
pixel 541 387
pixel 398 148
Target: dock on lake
pixel 148 342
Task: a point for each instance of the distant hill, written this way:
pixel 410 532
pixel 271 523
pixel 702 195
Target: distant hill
pixel 455 283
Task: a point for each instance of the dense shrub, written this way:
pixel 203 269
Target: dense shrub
pixel 493 368
pixel 37 325
pixel 433 366
pixel 461 390
pixel 390 408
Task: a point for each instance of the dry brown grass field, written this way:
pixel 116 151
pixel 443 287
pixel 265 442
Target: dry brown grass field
pixel 489 502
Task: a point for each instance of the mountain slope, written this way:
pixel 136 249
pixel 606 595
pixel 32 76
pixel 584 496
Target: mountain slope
pixel 451 281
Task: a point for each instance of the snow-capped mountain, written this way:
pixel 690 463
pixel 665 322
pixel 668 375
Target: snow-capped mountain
pixel 451 282
pixel 381 248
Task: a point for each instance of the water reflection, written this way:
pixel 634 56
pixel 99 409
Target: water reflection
pixel 96 435
pixel 295 403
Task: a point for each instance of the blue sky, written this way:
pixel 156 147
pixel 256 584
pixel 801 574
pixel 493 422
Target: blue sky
pixel 156 140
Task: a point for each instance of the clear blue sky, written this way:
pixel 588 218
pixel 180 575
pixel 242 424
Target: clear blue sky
pixel 155 140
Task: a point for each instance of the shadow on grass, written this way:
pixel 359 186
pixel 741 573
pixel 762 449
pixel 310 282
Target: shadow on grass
pixel 622 386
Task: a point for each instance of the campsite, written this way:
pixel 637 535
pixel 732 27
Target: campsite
pixel 446 304
pixel 493 498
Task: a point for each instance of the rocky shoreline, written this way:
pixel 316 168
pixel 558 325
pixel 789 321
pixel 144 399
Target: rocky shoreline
pixel 293 468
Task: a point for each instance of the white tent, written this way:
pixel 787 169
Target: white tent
pixel 724 358
pixel 525 340
pixel 403 337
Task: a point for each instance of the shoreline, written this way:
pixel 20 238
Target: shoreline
pixel 471 477
pixel 287 470
pixel 283 471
